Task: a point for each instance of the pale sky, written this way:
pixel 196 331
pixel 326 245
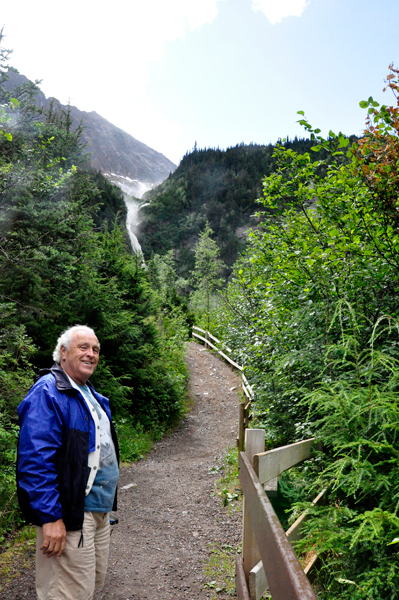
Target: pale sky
pixel 216 72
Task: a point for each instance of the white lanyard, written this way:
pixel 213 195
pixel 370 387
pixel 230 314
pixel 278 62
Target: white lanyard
pixel 94 457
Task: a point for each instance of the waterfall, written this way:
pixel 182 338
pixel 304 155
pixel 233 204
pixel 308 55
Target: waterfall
pixel 132 221
pixel 132 190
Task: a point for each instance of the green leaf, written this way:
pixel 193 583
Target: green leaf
pixel 300 112
pixel 363 104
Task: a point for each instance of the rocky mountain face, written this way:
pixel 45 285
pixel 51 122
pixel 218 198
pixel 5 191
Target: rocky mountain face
pixel 127 162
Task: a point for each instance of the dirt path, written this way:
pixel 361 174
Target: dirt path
pixel 170 519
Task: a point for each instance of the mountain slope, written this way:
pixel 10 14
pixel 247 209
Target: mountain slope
pixel 116 153
pixel 131 164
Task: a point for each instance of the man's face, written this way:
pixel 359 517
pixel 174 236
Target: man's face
pixel 81 360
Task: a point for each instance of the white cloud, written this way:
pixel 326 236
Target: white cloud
pixel 276 10
pixel 98 55
pixel 95 40
pixel 200 13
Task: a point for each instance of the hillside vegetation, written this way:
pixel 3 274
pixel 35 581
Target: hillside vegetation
pixel 210 185
pixel 111 149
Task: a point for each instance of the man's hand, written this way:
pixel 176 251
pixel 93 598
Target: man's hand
pixel 54 539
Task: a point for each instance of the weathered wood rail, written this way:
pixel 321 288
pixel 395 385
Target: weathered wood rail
pixel 268 560
pixel 206 340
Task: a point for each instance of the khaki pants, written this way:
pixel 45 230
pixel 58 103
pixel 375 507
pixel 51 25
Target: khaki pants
pixel 80 570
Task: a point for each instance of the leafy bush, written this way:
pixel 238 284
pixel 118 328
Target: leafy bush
pixel 134 443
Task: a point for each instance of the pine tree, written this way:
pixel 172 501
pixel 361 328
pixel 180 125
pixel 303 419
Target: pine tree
pixel 207 272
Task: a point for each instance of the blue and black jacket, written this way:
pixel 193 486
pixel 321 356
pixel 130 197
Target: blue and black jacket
pixel 57 433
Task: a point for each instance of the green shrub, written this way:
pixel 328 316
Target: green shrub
pixel 134 443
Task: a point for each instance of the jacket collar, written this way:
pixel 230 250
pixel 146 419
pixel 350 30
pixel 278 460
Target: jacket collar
pixel 62 382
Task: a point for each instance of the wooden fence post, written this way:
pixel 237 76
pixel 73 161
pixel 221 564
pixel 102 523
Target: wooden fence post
pixel 246 414
pixel 241 426
pixel 254 444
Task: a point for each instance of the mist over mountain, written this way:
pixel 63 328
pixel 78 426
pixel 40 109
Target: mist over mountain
pixel 127 162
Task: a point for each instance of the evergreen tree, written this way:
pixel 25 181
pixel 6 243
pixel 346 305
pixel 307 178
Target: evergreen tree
pixel 207 273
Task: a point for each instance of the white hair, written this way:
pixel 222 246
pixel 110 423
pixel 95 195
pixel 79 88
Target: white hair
pixel 65 340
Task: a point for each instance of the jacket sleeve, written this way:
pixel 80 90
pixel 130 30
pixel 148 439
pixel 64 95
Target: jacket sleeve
pixel 41 432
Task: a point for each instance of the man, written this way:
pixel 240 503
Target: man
pixel 67 470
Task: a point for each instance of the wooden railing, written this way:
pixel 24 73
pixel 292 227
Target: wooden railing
pixel 205 339
pixel 268 560
pixel 244 408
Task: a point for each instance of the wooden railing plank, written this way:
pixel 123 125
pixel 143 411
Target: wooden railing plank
pixel 246 391
pixel 257 582
pixel 249 388
pixel 200 337
pixel 257 579
pixel 218 341
pixel 294 532
pixel 311 562
pixel 285 575
pixel 213 337
pixel 239 367
pixel 199 329
pixel 254 443
pixel 241 582
pixel 272 463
